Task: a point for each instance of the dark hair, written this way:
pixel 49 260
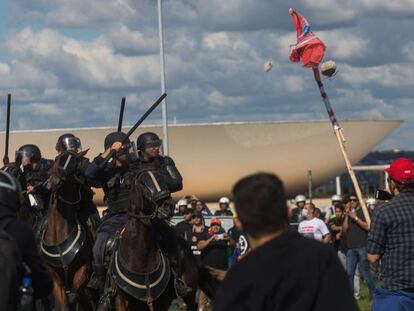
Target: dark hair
pixel 339 206
pixel 260 204
pixel 403 187
pixel 347 198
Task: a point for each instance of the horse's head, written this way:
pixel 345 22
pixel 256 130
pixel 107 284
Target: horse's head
pixel 149 196
pixel 65 169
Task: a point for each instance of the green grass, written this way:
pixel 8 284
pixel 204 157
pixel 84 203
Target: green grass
pixel 364 302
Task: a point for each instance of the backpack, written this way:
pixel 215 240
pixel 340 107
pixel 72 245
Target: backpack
pixel 10 261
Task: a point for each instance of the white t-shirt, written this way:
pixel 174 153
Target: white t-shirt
pixel 314 229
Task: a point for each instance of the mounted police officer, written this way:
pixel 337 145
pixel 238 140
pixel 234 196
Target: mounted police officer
pixel 89 213
pixel 164 170
pixel 115 179
pixel 33 172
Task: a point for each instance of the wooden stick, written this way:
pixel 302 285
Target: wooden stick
pixel 341 140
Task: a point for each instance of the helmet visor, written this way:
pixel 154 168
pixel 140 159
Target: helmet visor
pixel 24 156
pixel 72 144
pixel 154 143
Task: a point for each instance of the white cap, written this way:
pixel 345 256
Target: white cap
pixel 300 198
pixel 336 197
pixel 371 201
pixel 182 202
pixel 224 200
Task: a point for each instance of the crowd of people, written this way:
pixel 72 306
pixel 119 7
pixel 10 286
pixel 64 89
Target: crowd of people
pixel 270 252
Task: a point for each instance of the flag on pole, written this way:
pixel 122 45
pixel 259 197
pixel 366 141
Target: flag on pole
pixel 309 48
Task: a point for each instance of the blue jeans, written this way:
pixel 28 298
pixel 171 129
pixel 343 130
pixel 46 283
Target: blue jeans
pixel 395 300
pixel 355 256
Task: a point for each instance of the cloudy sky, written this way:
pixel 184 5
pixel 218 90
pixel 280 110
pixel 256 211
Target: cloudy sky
pixel 67 63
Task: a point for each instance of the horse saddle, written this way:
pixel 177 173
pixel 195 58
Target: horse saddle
pixel 64 253
pixel 145 287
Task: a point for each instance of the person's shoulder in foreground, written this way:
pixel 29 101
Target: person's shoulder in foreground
pixel 288 273
pixel 284 271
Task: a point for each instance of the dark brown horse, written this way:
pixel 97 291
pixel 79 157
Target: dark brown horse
pixel 140 273
pixel 66 244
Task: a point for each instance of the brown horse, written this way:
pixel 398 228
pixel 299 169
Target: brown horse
pixel 141 278
pixel 66 244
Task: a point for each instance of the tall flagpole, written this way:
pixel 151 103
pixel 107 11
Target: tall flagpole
pixel 162 63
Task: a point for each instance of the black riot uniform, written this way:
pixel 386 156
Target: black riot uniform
pixel 32 170
pixel 165 172
pixel 115 182
pixel 89 213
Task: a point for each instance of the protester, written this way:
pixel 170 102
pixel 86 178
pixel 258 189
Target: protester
pixel 197 233
pixel 295 264
pixel 330 211
pixel 339 243
pixel 314 227
pixel 391 240
pixel 299 213
pixel 213 244
pixel 356 229
pixel 335 226
pixel 201 207
pixel 224 204
pixel 22 235
pixel 183 228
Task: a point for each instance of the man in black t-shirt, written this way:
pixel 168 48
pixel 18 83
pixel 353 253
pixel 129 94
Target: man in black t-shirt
pixel 213 246
pixel 270 276
pixel 183 228
pixel 356 229
pixel 197 233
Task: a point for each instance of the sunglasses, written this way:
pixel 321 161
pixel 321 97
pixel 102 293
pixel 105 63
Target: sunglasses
pixel 353 200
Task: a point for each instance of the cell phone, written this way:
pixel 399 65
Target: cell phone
pixel 219 236
pixel 383 195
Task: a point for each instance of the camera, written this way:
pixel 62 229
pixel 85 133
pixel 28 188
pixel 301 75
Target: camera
pixel 382 195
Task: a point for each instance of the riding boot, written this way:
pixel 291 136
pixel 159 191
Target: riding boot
pixel 180 287
pixel 97 281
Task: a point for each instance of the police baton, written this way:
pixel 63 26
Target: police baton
pixel 6 145
pixel 132 130
pixel 121 114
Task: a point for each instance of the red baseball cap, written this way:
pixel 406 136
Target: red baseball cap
pixel 215 221
pixel 402 171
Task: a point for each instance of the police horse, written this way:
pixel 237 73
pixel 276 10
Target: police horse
pixel 66 243
pixel 139 275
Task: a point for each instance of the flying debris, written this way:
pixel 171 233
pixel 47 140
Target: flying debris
pixel 328 68
pixel 268 65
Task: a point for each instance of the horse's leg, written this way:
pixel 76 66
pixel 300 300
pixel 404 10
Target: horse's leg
pixel 61 302
pixel 80 277
pixel 120 303
pixel 190 301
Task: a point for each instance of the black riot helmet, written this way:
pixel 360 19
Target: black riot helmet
pixel 28 151
pixel 10 192
pixel 68 142
pixel 148 139
pixel 116 137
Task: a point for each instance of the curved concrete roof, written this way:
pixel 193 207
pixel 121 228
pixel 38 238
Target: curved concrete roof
pixel 212 157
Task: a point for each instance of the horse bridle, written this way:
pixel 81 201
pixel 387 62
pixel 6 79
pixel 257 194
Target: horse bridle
pixel 145 218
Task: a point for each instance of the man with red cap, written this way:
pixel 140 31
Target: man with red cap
pixel 391 239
